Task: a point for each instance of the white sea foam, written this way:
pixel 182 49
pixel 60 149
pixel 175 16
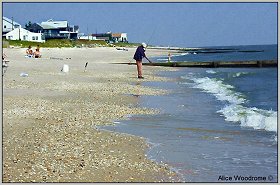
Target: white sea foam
pixel 182 54
pixel 211 71
pixel 234 111
pixel 251 117
pixel 162 59
pixel 239 74
pixel 222 91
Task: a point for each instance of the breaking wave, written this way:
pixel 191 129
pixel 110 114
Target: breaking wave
pixel 235 111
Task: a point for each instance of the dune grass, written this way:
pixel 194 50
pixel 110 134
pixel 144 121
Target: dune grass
pixel 61 43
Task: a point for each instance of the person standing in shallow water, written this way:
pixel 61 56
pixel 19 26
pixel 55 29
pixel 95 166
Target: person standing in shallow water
pixel 138 56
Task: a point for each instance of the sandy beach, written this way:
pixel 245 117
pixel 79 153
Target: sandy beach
pixel 52 119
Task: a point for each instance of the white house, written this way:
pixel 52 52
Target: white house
pixel 59 29
pixel 84 37
pixel 119 37
pixel 25 35
pixel 9 25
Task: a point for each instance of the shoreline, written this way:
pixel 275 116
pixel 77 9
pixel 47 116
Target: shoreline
pixel 159 128
pixel 50 118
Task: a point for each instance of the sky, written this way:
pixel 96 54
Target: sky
pixel 164 24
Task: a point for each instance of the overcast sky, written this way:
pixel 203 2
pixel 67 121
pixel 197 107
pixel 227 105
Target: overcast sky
pixel 168 24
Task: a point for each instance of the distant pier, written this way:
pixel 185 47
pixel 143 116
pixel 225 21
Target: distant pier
pixel 215 64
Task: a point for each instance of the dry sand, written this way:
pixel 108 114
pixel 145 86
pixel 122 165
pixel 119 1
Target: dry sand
pixel 51 118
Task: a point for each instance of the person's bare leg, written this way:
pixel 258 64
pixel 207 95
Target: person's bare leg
pixel 139 68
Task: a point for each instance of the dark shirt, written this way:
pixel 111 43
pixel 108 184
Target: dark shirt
pixel 139 53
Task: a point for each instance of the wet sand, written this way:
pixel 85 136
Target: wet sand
pixel 51 118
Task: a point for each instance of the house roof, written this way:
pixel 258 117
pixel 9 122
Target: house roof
pixel 51 24
pixel 116 34
pixel 36 25
pixel 10 21
pixel 48 26
pixel 101 34
pixel 22 31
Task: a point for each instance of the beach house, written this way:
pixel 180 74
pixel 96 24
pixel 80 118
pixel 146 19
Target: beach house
pixel 82 36
pixel 25 35
pixel 59 30
pixel 35 27
pixel 103 36
pixel 111 37
pixel 119 37
pixel 8 25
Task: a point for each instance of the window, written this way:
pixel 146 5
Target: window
pixel 33 38
pixel 36 37
pixel 5 26
pixel 24 37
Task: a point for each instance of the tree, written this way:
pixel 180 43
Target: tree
pixel 28 25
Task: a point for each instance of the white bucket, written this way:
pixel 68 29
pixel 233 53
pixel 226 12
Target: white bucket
pixel 65 68
pixel 23 74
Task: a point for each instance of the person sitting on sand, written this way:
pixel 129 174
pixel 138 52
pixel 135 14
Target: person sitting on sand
pixel 29 51
pixel 37 54
pixel 38 47
pixel 138 56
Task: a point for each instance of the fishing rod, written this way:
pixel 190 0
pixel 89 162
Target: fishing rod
pixel 169 54
pixel 149 42
pixel 151 36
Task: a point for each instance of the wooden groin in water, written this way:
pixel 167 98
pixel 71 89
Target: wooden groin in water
pixel 214 64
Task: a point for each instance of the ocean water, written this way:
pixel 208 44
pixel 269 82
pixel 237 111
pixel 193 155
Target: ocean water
pixel 226 53
pixel 215 124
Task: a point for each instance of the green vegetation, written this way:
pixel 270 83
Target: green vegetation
pixel 122 44
pixel 59 43
pixel 24 44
